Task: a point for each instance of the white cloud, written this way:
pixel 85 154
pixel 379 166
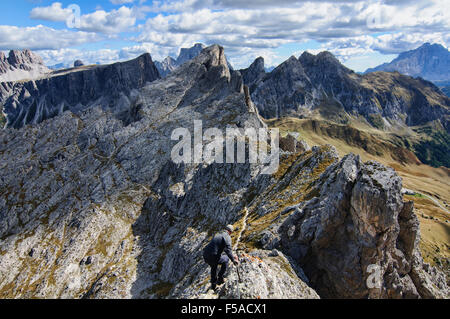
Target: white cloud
pixel 157 52
pixel 399 42
pixel 346 27
pixel 42 37
pixel 55 13
pixel 392 43
pixel 110 22
pixel 67 56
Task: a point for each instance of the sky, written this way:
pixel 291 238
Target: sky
pixel 361 34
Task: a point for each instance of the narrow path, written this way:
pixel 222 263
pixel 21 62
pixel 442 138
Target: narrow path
pixel 241 231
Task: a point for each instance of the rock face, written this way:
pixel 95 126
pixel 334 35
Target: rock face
pixel 429 61
pixel 94 207
pixel 254 72
pixel 283 91
pixel 21 65
pixel 169 64
pixel 290 143
pixel 321 82
pixel 446 90
pixel 111 86
pixel 187 54
pixel 358 227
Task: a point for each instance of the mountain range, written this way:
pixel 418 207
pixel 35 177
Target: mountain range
pixel 169 64
pixel 92 206
pixel 76 89
pixel 320 85
pixel 429 61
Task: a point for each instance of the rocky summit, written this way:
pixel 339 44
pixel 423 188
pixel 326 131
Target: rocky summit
pixel 21 65
pixel 92 206
pixel 429 61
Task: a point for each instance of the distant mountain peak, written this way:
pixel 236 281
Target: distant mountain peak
pixel 109 85
pixel 429 61
pixel 306 54
pixel 187 54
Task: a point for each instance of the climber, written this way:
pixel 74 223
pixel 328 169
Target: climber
pixel 212 254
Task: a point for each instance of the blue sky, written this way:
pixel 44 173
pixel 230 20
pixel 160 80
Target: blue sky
pixel 361 34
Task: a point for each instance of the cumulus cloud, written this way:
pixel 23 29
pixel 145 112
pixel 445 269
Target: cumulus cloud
pixel 346 28
pixel 66 56
pixel 42 37
pixel 55 13
pixel 393 43
pixel 121 1
pixel 110 22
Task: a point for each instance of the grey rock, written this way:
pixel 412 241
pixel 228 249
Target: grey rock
pixel 78 63
pixel 187 54
pixel 264 276
pixel 21 65
pixel 284 91
pixel 166 66
pixel 254 72
pixel 291 144
pixel 86 187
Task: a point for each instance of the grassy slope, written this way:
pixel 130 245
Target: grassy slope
pixel 372 144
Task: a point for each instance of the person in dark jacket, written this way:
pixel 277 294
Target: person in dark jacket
pixel 212 254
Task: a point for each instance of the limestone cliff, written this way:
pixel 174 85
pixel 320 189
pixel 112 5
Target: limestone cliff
pixel 111 86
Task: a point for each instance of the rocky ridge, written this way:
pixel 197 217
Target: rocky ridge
pixel 429 61
pixel 169 64
pixel 320 82
pixel 166 66
pixel 21 65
